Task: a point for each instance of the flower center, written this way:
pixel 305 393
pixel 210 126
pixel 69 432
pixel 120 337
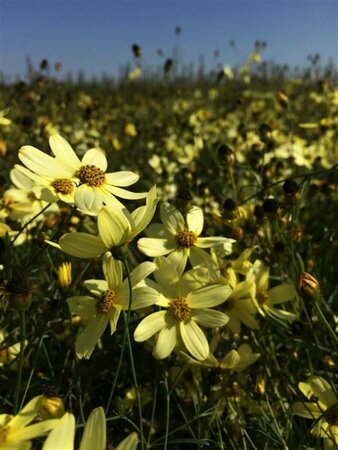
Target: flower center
pixel 3 434
pixel 331 416
pixel 106 302
pixel 63 185
pixel 91 175
pixel 262 297
pixel 8 202
pixel 186 238
pixel 179 309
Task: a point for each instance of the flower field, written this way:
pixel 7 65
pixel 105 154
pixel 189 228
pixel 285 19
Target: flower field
pixel 168 262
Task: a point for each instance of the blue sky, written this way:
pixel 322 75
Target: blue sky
pixel 96 35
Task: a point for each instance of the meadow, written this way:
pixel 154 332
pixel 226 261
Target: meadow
pixel 168 261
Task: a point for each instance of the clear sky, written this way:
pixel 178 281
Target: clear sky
pixel 96 35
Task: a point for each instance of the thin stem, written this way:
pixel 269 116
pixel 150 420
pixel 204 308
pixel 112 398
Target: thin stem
pixel 29 222
pixel 124 341
pixel 166 435
pixel 21 360
pixel 131 356
pixel 303 175
pixel 326 323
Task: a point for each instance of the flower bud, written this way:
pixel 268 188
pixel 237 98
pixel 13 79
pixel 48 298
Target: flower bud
pixel 52 408
pixel 65 274
pixel 308 287
pixel 282 99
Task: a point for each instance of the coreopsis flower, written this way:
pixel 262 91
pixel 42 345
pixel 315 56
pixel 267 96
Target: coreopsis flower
pixel 240 306
pixel 117 227
pixel 20 203
pixel 237 360
pixel 94 434
pixel 17 431
pixel 46 189
pixel 8 354
pixel 186 303
pixel 4 121
pixel 267 299
pixel 322 406
pixel 178 236
pixel 108 298
pixel 86 179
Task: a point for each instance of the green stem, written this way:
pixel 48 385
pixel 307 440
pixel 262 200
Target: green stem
pixel 124 341
pixel 167 414
pixel 302 175
pixel 21 360
pixel 326 323
pixel 29 222
pixel 131 356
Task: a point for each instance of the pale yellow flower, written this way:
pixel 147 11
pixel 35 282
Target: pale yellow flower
pixel 66 172
pixel 179 237
pixel 267 299
pixel 10 353
pixel 108 298
pixel 321 407
pixel 237 360
pixel 17 431
pixel 187 304
pixel 20 203
pixel 117 227
pixel 3 120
